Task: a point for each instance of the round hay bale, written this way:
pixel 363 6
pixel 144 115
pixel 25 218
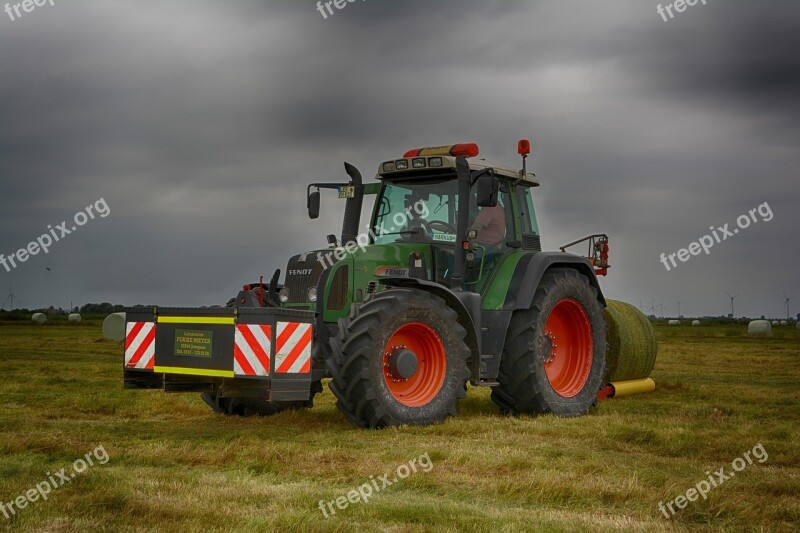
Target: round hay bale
pixel 632 345
pixel 783 323
pixel 114 327
pixel 695 322
pixel 759 328
pixel 797 325
pixel 674 323
pixel 74 317
pixel 39 318
pixel 775 322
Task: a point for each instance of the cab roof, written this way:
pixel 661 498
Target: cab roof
pixel 428 166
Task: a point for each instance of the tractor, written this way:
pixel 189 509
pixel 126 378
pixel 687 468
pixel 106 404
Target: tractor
pixel 447 285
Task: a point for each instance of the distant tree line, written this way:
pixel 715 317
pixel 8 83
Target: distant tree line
pixel 103 308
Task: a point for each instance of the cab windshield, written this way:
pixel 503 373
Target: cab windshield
pixel 417 210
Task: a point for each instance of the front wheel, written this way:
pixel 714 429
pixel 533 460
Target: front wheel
pixel 399 358
pixel 555 352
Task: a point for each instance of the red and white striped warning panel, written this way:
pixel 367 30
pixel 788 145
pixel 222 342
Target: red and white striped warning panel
pixel 251 350
pixel 293 348
pixel 140 345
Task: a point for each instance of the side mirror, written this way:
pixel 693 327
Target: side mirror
pixel 313 205
pixel 488 185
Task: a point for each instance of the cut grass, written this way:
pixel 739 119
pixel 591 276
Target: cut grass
pixel 174 465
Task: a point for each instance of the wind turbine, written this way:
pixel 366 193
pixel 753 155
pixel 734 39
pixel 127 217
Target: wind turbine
pixel 661 307
pixel 679 306
pixel 732 299
pixel 10 296
pixel 788 299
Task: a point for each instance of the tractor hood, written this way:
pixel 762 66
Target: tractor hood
pixel 303 272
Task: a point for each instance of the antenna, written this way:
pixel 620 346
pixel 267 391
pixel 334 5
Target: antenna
pixel 732 299
pixel 788 299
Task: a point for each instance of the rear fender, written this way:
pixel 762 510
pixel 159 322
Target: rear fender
pixel 531 269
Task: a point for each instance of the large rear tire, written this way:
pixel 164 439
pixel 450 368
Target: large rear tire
pixel 555 352
pixel 399 358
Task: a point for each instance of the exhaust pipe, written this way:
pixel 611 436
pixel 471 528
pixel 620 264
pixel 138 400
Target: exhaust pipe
pixel 352 209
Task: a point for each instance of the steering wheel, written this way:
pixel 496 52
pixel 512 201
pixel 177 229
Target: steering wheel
pixel 438 225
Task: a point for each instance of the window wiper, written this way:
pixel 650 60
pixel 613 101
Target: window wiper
pixel 415 231
pixel 442 203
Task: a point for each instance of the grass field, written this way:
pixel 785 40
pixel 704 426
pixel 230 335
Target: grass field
pixel 174 465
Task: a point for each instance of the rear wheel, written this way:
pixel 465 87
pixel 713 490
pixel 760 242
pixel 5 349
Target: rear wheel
pixel 555 352
pixel 399 358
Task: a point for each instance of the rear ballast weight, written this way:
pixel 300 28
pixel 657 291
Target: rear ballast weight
pixel 259 352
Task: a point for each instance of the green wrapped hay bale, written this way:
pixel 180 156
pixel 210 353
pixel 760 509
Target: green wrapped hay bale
pixel 632 345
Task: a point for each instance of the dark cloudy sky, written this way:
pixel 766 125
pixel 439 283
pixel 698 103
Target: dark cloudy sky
pixel 200 122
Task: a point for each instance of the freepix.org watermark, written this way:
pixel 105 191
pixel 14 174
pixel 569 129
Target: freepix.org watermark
pixel 46 240
pixel 400 219
pixel 714 480
pixel 326 8
pixel 719 234
pixel 363 493
pixel 53 481
pixel 26 5
pixel 679 6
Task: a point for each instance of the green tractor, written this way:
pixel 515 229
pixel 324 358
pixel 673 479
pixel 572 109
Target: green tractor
pixel 447 285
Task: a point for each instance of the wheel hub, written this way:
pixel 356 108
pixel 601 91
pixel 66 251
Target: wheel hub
pixel 401 363
pixel 549 347
pixel 414 364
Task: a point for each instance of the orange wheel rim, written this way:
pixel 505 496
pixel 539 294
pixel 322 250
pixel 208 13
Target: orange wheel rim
pixel 422 387
pixel 567 348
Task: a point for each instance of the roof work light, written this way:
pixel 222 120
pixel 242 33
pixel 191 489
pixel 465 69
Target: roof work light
pixel 455 150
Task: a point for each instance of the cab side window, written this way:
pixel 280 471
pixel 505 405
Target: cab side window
pixel 528 225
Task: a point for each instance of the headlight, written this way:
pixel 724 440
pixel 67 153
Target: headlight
pixel 388 167
pixel 312 294
pixel 418 162
pixel 435 161
pixel 283 295
pixel 401 164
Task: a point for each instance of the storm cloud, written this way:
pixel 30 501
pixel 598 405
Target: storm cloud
pixel 200 124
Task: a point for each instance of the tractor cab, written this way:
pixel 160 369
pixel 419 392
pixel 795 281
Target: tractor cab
pixel 420 201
